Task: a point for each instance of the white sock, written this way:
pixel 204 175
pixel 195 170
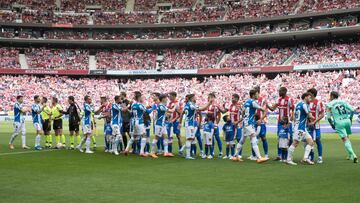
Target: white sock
pixel 182 148
pixel 153 145
pixel 166 145
pixel 187 147
pixel 23 140
pixel 308 149
pixel 115 143
pixel 37 140
pixel 88 143
pixel 13 136
pixel 142 145
pixel 255 147
pixel 131 141
pixel 83 140
pixel 238 148
pixel 290 152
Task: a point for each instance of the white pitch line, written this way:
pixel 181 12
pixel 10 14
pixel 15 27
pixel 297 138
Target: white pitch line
pixel 26 152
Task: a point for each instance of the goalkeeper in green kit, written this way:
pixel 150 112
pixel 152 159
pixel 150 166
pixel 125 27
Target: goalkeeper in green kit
pixel 339 115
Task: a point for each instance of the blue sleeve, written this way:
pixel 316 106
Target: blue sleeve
pixel 223 128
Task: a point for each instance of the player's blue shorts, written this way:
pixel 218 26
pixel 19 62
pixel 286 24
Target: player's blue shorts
pixel 107 129
pixel 314 132
pixel 229 137
pixel 280 127
pixel 262 130
pixel 238 134
pixel 175 126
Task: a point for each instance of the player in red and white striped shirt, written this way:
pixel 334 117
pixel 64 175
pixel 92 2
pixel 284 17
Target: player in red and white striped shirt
pixel 174 120
pixel 285 104
pixel 215 111
pixel 317 110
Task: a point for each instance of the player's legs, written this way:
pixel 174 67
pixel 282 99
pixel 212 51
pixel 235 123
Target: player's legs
pixel 16 132
pixel 176 131
pixel 319 145
pixel 344 130
pixel 199 140
pixel 219 142
pixel 311 131
pixel 278 148
pixel 39 132
pixel 264 140
pixel 190 137
pixel 117 138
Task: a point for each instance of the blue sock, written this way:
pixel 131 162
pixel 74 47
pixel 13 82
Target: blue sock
pixel 206 149
pixel 227 150
pixel 200 143
pixel 266 147
pixel 232 150
pixel 219 143
pixel 240 153
pixel 253 153
pixel 147 147
pixel 212 150
pixel 170 147
pixel 158 144
pixel 106 144
pixel 283 154
pixel 319 146
pixel 162 144
pixel 193 150
pixel 279 151
pixel 138 146
pixel 311 155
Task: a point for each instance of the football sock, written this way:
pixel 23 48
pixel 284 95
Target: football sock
pixel 93 139
pixel 278 151
pixel 308 149
pixel 187 147
pixel 13 138
pixel 72 140
pixel 319 146
pixel 349 148
pixel 255 147
pixel 200 143
pixel 154 144
pixel 57 139
pixel 23 140
pixel 212 150
pixel 37 140
pixel 290 152
pixel 238 149
pixel 170 145
pixel 50 140
pixel 166 146
pixel 88 143
pixel 142 147
pixel 232 149
pixel 206 149
pixel 227 150
pixel 266 147
pixel 63 140
pixel 129 144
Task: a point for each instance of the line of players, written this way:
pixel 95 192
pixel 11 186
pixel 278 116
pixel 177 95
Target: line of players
pixel 243 120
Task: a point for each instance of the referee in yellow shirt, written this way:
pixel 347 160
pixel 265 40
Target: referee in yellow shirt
pixel 46 123
pixel 56 111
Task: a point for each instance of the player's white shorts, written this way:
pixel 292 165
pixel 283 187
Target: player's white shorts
pixel 87 129
pixel 160 130
pixel 301 135
pixel 137 128
pixel 208 138
pixel 19 128
pixel 190 132
pixel 248 130
pixel 115 129
pixel 38 126
pixel 283 143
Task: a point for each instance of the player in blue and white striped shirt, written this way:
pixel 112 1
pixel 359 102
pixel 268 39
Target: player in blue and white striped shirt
pixel 88 112
pixel 19 123
pixel 36 109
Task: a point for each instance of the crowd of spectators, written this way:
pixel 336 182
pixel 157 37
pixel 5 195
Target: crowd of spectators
pixel 202 14
pixel 223 86
pixel 9 58
pixel 327 5
pixel 126 60
pixel 80 6
pixel 57 59
pixel 112 18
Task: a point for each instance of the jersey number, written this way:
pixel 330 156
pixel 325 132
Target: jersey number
pixel 341 109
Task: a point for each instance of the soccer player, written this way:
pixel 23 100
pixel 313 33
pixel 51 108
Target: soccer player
pixel 284 138
pixel 229 134
pixel 340 114
pixel 174 120
pixel 46 122
pixel 286 109
pixel 36 117
pixel 116 123
pixel 263 116
pixel 249 123
pixel 126 117
pixel 88 110
pixel 208 130
pixel 74 121
pixel 160 128
pixel 198 121
pixel 106 115
pixel 302 115
pixel 19 122
pixel 216 114
pixel 56 112
pixel 190 111
pixel 137 126
pixel 317 110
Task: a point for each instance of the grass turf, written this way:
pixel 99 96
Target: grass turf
pixel 70 176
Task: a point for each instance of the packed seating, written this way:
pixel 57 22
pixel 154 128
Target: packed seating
pixel 223 86
pixel 202 14
pixel 80 6
pixel 9 58
pixel 326 5
pixel 126 60
pixel 57 59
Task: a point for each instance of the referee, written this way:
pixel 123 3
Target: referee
pixel 74 121
pixel 56 111
pixel 46 123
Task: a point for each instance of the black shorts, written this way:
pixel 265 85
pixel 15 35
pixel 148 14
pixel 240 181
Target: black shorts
pixel 57 124
pixel 46 125
pixel 74 127
pixel 126 128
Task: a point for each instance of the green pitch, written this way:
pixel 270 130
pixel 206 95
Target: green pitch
pixel 70 176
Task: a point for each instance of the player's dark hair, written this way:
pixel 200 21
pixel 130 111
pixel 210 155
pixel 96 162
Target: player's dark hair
pixel 285 120
pixel 236 96
pixel 212 94
pixel 162 96
pixel 137 95
pixel 257 88
pixel 117 97
pixel 313 91
pixel 71 98
pixel 225 118
pixel 282 91
pixel 123 94
pixel 190 96
pixel 55 99
pixel 306 94
pixel 18 97
pixel 252 92
pixel 173 94
pixel 209 117
pixel 87 97
pixel 36 97
pixel 334 94
pixel 45 99
pixel 157 94
pixel 103 98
